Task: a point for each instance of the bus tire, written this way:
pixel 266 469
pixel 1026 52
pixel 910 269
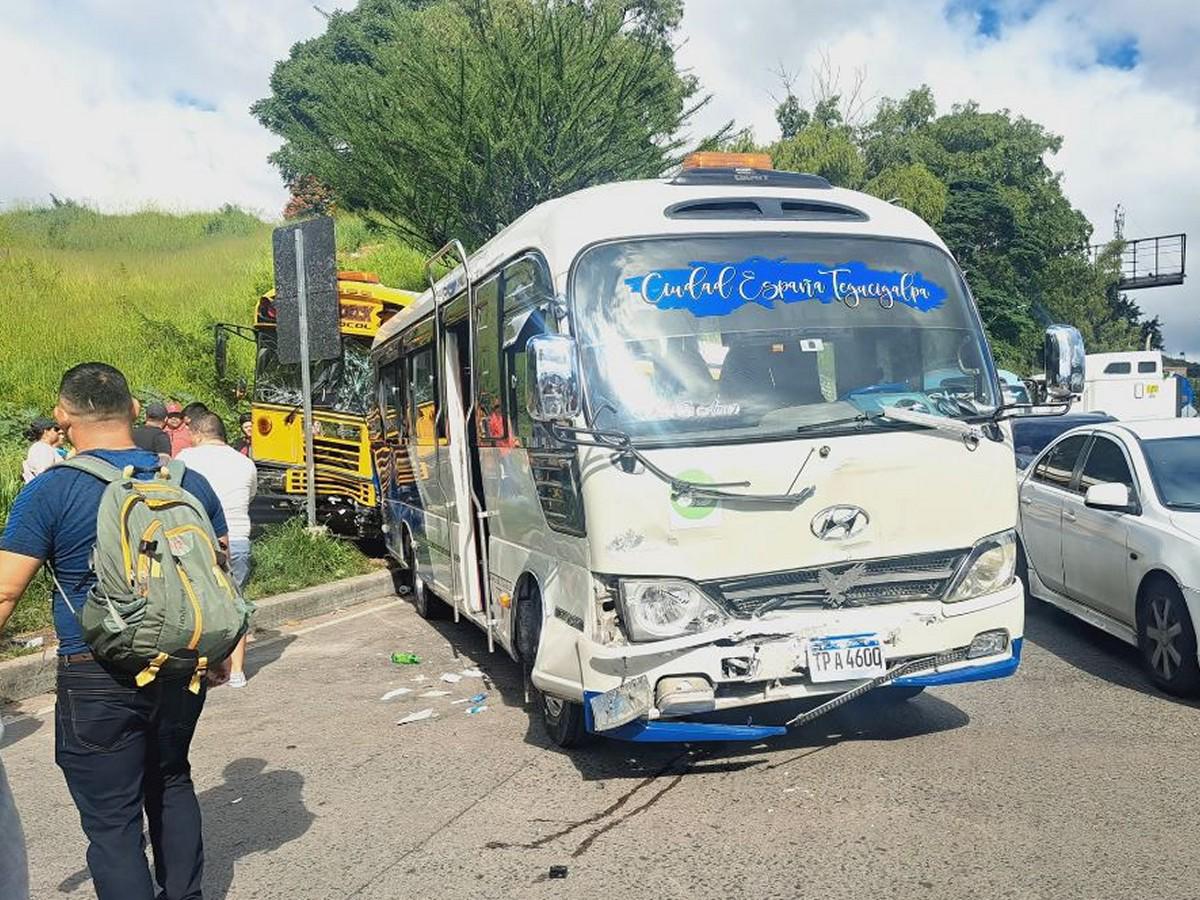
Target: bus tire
pixel 424 602
pixel 563 720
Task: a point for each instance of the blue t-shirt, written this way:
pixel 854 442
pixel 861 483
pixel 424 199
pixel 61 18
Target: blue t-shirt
pixel 54 518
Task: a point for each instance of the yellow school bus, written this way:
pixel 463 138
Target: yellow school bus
pixel 347 481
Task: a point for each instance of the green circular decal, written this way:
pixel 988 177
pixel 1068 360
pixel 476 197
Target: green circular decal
pixel 695 508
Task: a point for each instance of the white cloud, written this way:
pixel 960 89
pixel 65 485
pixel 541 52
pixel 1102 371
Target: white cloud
pixel 1129 136
pixel 143 103
pixel 139 102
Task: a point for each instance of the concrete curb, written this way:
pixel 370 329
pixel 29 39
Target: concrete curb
pixel 28 676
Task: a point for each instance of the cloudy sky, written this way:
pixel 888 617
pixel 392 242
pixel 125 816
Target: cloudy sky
pixel 141 102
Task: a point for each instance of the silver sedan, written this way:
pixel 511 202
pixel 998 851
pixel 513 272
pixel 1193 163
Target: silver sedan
pixel 1109 528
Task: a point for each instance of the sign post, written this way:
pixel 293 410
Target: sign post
pixel 310 468
pixel 307 320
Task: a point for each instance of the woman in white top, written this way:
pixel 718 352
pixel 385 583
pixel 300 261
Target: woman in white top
pixel 45 437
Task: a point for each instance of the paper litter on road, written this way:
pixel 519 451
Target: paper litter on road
pixel 471 673
pixel 451 678
pixel 396 693
pixel 238 800
pixel 463 700
pixel 431 694
pixel 419 716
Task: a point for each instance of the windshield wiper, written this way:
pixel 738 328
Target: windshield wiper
pixel 860 419
pixel 971 434
pixel 680 487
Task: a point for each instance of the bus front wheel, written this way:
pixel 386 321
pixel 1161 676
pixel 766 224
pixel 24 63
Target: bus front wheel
pixel 564 721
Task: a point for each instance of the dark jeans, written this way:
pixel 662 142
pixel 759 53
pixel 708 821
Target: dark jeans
pixel 124 750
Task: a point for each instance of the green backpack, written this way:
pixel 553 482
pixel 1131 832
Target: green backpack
pixel 163 601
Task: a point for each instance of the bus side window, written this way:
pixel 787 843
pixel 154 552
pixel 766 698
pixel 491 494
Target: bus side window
pixel 391 397
pixel 491 425
pixel 527 308
pixel 422 396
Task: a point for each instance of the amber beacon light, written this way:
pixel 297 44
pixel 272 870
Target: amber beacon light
pixel 713 159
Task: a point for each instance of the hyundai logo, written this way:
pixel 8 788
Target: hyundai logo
pixel 836 523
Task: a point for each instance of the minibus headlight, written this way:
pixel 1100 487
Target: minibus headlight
pixel 662 608
pixel 990 567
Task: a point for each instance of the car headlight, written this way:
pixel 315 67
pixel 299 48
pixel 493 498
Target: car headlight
pixel 990 567
pixel 664 608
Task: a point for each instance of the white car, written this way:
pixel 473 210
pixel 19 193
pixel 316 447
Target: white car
pixel 1109 528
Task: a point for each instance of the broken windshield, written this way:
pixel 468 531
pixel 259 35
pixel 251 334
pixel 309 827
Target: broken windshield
pixel 340 384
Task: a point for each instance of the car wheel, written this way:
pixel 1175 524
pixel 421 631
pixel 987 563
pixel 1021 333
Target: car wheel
pixel 564 721
pixel 1168 640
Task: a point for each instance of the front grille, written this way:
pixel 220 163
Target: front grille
pixel 867 582
pixel 338 453
pixel 331 485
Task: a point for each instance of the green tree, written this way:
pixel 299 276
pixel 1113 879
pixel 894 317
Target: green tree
pixel 914 187
pixel 450 119
pixel 981 178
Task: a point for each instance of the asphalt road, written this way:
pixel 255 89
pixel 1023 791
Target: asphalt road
pixel 1072 779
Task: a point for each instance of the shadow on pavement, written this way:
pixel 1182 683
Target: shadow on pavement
pixel 1091 650
pixel 19 729
pixel 253 811
pixel 256 810
pixel 267 648
pixel 875 717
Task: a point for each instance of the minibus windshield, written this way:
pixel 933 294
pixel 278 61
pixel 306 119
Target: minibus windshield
pixel 758 336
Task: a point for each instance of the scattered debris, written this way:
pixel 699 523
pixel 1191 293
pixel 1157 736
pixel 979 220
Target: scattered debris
pixel 558 871
pixel 405 659
pixel 419 716
pixel 32 643
pixel 476 710
pixel 238 800
pixel 471 673
pixel 451 678
pixel 479 698
pixel 396 693
pixel 463 700
pixel 432 694
pixel 420 678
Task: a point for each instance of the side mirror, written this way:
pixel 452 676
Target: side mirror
pixel 552 386
pixel 1064 362
pixel 221 351
pixel 1108 495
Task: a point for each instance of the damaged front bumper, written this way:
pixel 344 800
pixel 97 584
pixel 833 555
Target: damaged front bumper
pixel 747 664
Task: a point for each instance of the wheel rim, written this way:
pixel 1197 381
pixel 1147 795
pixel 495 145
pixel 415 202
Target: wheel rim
pixel 553 705
pixel 1162 629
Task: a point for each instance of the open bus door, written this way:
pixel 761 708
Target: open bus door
pixel 456 461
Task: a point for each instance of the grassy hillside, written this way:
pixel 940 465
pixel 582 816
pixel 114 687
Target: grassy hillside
pixel 141 292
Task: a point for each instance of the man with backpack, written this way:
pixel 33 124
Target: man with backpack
pixel 146 617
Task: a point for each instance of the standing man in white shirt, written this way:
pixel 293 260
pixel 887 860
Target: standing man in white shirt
pixel 234 480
